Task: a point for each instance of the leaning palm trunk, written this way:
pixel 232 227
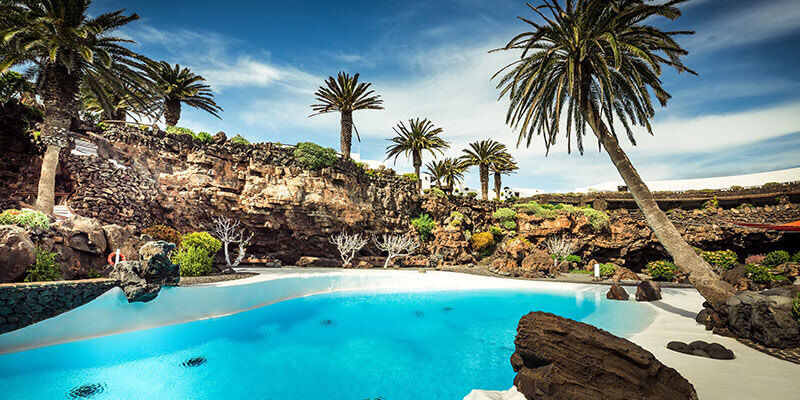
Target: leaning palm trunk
pixel 347 133
pixel 172 111
pixel 700 273
pixel 484 172
pixel 497 184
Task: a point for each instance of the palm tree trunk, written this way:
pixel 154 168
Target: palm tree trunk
pixel 700 273
pixel 484 175
pixel 497 183
pixel 346 133
pixel 416 157
pixel 172 111
pixel 45 198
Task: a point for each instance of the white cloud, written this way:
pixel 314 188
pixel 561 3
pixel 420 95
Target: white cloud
pixel 760 20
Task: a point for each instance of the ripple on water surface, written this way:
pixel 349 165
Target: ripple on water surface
pixel 352 345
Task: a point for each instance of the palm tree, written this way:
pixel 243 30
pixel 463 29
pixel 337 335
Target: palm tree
pixel 504 166
pixel 599 61
pixel 345 95
pixel 420 135
pixel 452 173
pixel 174 86
pixel 64 47
pixel 436 171
pixel 483 154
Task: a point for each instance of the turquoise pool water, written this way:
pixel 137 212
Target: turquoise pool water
pixel 347 345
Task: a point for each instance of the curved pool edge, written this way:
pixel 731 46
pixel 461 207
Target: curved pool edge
pixel 111 314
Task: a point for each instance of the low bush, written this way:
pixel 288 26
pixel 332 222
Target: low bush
pixel 93 273
pixel 44 269
pixel 661 270
pixel 758 273
pixel 711 203
pixel 204 137
pixel 504 214
pixel 436 192
pixel 580 271
pixel 775 258
pixel 509 225
pixel 313 156
pixel 424 225
pixel 482 241
pixel 193 261
pixel 411 176
pixel 456 219
pixel 25 218
pixel 796 257
pixel 496 231
pixel 755 259
pixel 179 130
pixel 163 232
pixel 472 194
pixel 724 259
pixel 796 307
pixel 607 270
pixel 203 241
pixel 543 211
pixel 573 258
pixel 598 219
pixel 239 139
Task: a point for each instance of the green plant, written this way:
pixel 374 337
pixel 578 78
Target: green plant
pixel 496 231
pixel 736 187
pixel 745 205
pixel 202 240
pixel 509 225
pixel 179 130
pixel 573 258
pixel 580 271
pixel 204 137
pixel 598 219
pixel 436 192
pixel 44 269
pixel 504 214
pixel 25 218
pixel 456 219
pixel 411 176
pixel 472 194
pixel 103 126
pixel 313 156
pixel 193 261
pixel 771 185
pixel 780 278
pixel 796 258
pixel 163 232
pixel 711 203
pixel 661 270
pixel 758 273
pixel 543 211
pixel 724 259
pixel 775 258
pixel 424 225
pixel 93 273
pixel 239 139
pixel 607 270
pixel 481 241
pixel 796 307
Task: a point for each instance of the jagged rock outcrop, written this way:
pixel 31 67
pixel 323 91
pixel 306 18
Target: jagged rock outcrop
pixel 648 290
pixel 16 253
pixel 142 280
pixel 617 292
pixel 558 358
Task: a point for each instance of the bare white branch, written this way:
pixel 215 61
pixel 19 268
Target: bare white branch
pixel 396 245
pixel 348 245
pixel 227 230
pixel 561 246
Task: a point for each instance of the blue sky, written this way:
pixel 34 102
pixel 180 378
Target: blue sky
pixel 429 59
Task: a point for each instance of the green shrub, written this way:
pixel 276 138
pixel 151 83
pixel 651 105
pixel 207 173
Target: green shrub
pixel 193 261
pixel 456 219
pixel 661 270
pixel 796 307
pixel 775 258
pixel 313 156
pixel 607 270
pixel 496 231
pixel 771 185
pixel 424 225
pixel 178 130
pixel 504 214
pixel 758 273
pixel 239 139
pixel 44 269
pixel 205 137
pixel 411 176
pixel 93 273
pixel 25 219
pixel 780 278
pixel 598 219
pixel 580 271
pixel 573 258
pixel 543 211
pixel 711 203
pixel 796 257
pixel 724 259
pixel 472 194
pixel 163 232
pixel 436 192
pixel 203 241
pixel 568 208
pixel 481 241
pixel 509 225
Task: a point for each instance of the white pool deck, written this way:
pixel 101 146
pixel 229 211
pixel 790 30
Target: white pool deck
pixel 752 375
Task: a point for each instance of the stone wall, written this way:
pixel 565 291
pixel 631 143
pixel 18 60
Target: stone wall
pixel 22 304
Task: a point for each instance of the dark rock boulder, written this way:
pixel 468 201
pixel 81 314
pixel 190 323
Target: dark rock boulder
pixel 16 253
pixel 702 349
pixel 83 234
pixel 648 291
pixel 558 358
pixel 156 266
pixel 220 137
pixel 136 288
pixel 617 292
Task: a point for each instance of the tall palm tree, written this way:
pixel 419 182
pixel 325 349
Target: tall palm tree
pixel 345 95
pixel 483 154
pixel 452 173
pixel 436 170
pixel 64 47
pixel 598 61
pixel 420 135
pixel 174 85
pixel 504 166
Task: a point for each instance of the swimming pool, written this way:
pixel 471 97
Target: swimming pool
pixel 364 344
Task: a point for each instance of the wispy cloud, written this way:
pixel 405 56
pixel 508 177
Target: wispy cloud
pixel 759 21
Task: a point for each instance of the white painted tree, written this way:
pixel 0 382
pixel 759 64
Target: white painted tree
pixel 561 246
pixel 396 245
pixel 227 230
pixel 348 245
